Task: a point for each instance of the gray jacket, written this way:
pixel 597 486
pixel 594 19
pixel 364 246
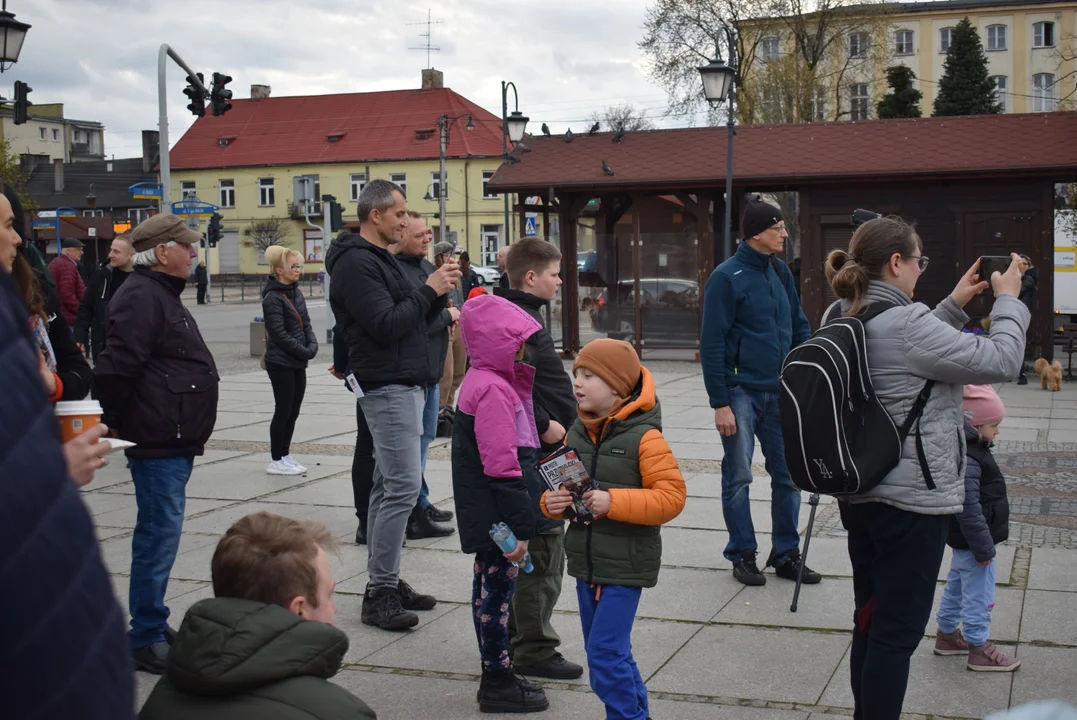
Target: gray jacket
pixel 911 344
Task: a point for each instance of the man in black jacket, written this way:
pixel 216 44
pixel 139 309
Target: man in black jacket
pixel 425 518
pixel 382 316
pixel 201 282
pixel 93 310
pixel 534 270
pixel 469 279
pixel 157 384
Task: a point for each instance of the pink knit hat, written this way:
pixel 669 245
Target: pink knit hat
pixel 983 404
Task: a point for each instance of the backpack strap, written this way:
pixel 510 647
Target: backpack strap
pixel 906 427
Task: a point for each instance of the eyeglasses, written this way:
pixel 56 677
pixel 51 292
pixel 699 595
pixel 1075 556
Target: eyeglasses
pixel 921 260
pixel 295 267
pixel 780 227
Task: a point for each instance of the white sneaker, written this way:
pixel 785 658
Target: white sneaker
pixel 279 467
pixel 290 461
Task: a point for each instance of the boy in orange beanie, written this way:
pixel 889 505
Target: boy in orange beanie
pixel 618 437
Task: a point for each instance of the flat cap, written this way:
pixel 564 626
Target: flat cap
pixel 443 247
pixel 73 243
pixel 161 229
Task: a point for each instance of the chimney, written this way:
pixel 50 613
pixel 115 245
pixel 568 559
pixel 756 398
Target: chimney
pixel 260 92
pixel 151 149
pixel 58 175
pixel 433 79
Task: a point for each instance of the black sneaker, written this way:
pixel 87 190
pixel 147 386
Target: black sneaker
pixel 746 571
pixel 360 533
pixel 438 515
pixel 555 667
pixel 382 608
pixel 151 658
pixel 788 567
pixel 1022 379
pixel 411 600
pixel 170 636
pixel 420 526
pixel 505 692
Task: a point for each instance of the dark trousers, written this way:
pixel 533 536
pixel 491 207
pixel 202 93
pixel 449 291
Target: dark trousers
pixel 896 556
pixel 289 386
pixel 533 637
pixel 362 465
pixel 491 597
pixel 202 294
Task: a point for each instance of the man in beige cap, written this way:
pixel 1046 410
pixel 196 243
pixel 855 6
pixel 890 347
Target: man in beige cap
pixel 157 384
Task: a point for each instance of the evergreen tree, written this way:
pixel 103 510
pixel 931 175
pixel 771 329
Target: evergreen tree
pixel 965 87
pixel 903 100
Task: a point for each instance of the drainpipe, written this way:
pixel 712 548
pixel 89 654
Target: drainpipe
pixel 467 207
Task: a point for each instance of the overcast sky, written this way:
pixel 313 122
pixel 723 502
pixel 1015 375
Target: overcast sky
pixel 99 57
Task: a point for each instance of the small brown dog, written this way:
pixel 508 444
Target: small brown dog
pixel 1050 374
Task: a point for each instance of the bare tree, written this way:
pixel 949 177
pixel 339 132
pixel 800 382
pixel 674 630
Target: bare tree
pixel 625 117
pixel 1066 52
pixel 263 234
pixel 1068 212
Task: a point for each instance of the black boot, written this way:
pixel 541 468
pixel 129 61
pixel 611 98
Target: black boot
pixel 382 608
pixel 412 600
pixel 438 515
pixel 421 526
pixel 360 533
pixel 504 692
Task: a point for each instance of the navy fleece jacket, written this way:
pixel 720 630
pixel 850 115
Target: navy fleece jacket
pixel 751 319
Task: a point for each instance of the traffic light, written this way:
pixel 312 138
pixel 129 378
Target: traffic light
pixel 213 232
pixel 336 216
pixel 220 95
pixel 22 105
pixel 197 105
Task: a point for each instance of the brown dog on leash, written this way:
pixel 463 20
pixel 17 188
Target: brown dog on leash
pixel 1050 374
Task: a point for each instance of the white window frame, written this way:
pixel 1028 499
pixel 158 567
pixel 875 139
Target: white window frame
pixel 357 182
pixel 43 134
pixel 946 37
pixel 904 40
pixel 1001 86
pixel 770 48
pixel 267 192
pixel 227 193
pixel 486 194
pixel 818 106
pixel 859 101
pixel 187 189
pixel 93 213
pixel 56 134
pixel 400 179
pixel 1043 93
pixel 1040 31
pixel 435 185
pixel 859 42
pixel 996 40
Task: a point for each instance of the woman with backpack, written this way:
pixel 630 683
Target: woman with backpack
pixel 897 530
pixel 290 345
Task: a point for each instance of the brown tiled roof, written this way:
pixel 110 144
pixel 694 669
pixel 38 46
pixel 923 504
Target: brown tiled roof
pixel 801 153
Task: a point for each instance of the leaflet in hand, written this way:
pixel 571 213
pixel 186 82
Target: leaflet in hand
pixel 565 469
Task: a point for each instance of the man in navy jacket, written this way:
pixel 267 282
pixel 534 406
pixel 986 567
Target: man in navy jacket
pixel 751 319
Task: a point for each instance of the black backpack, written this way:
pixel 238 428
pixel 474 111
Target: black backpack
pixel 839 439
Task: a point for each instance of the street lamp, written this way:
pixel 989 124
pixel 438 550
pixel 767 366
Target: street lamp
pixel 717 88
pixel 445 124
pixel 14 32
pixel 512 128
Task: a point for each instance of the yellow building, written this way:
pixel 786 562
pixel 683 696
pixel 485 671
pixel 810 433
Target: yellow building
pixel 1030 47
pixel 48 133
pixel 248 162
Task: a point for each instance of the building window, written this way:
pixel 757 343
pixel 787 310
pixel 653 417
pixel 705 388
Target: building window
pixel 996 37
pixel 1000 91
pixel 858 45
pixel 1043 93
pixel 228 193
pixel 945 35
pixel 903 44
pixel 435 185
pixel 858 101
pixel 187 189
pixel 818 106
pixel 137 215
pixel 358 182
pixel 486 192
pixel 267 194
pixel 55 135
pixel 1043 34
pixel 93 213
pixel 400 179
pixel 43 133
pixel 79 136
pixel 770 48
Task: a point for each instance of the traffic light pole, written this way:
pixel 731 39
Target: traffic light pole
pixel 326 213
pixel 162 118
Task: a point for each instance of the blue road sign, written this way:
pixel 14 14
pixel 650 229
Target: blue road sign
pixel 530 227
pixel 44 224
pixel 195 208
pixel 145 191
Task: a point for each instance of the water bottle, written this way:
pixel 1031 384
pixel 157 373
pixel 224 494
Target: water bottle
pixel 506 540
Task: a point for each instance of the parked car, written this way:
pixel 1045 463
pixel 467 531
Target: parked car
pixel 669 312
pixel 487 275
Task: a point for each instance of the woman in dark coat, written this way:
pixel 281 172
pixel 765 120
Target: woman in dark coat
pixel 290 345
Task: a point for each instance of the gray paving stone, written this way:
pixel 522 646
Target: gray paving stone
pixel 145 683
pixel 1049 616
pixel 331 491
pixel 364 640
pixel 227 419
pixel 830 556
pixel 694 548
pixel 1005 617
pixel 706 514
pixel 1053 570
pixel 1045 672
pixel 125 517
pixel 246 479
pixel 937 686
pixel 116 553
pixel 696 451
pixel 218 521
pixel 828 605
pixel 742 663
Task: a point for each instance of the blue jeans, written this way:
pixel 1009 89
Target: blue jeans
pixel 756 412
pixel 607 637
pixel 430 431
pixel 160 491
pixel 968 598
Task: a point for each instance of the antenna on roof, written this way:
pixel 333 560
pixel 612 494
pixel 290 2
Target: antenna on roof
pixel 428 35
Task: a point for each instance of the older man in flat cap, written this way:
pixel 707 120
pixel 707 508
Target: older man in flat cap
pixel 157 384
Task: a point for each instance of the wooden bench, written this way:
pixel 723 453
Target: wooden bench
pixel 1066 340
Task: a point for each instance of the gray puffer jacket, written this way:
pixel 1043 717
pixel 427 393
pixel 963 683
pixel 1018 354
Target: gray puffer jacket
pixel 910 344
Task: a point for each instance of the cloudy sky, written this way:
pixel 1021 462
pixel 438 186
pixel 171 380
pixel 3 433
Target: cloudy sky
pixel 99 57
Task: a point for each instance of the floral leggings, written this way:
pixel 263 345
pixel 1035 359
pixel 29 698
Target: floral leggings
pixel 491 597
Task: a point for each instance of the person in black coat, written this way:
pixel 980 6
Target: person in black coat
pixel 201 281
pixel 63 652
pixel 1028 297
pixel 93 310
pixel 290 346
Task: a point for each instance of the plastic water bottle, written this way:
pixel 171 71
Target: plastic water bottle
pixel 506 540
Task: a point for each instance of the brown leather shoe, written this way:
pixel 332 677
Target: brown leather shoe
pixel 988 658
pixel 950 643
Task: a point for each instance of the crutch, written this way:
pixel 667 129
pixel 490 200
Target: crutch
pixel 814 502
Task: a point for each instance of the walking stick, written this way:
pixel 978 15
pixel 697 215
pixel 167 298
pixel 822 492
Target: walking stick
pixel 814 502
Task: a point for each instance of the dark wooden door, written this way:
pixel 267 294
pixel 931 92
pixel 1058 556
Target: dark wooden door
pixel 991 233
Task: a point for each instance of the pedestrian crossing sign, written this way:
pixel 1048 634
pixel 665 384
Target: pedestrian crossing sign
pixel 530 227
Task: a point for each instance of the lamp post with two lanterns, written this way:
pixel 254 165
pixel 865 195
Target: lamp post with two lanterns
pixel 512 129
pixel 718 88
